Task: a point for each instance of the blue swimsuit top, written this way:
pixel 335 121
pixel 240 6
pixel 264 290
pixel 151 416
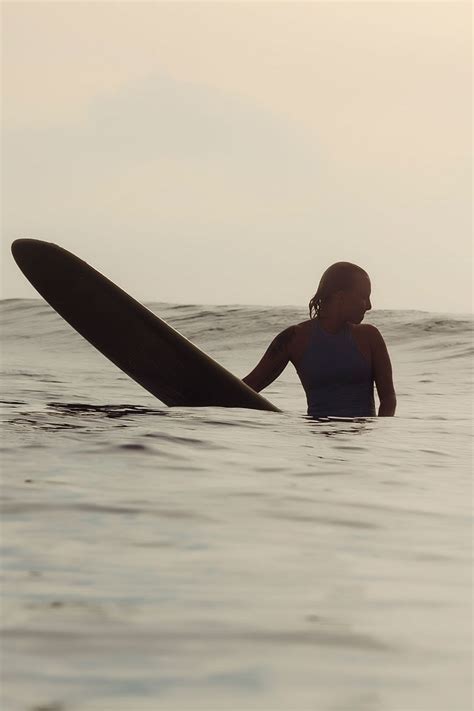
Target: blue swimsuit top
pixel 337 379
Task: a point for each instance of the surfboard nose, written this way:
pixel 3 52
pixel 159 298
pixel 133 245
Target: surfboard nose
pixel 35 258
pixel 28 252
pixel 20 250
pixel 21 247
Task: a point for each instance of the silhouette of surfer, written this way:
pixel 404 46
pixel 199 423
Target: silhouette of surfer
pixel 337 358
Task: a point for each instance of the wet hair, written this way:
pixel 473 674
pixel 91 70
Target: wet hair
pixel 337 277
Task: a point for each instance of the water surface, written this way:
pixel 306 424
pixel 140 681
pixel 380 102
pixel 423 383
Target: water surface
pixel 212 558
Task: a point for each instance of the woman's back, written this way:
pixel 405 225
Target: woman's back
pixel 335 370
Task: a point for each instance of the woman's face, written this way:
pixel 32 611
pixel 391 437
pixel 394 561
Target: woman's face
pixel 357 300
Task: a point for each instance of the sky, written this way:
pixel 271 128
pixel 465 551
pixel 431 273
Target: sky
pixel 229 152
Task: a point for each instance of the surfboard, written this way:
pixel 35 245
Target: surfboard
pixel 145 347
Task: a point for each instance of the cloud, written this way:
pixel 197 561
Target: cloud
pixel 160 119
pixel 159 145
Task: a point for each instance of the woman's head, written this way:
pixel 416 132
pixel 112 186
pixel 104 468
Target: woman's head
pixel 344 289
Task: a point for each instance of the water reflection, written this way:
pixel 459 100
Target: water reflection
pixel 113 411
pixel 328 425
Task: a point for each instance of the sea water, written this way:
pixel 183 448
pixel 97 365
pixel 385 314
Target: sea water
pixel 161 558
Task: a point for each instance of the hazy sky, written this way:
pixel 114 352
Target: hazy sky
pixel 221 152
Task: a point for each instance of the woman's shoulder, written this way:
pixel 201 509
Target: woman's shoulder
pixel 293 334
pixel 305 325
pixel 367 329
pixel 302 330
pixel 366 333
pixel 299 337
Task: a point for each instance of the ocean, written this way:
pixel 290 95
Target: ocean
pixel 165 559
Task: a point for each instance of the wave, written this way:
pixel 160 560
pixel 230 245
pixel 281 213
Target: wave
pixel 32 319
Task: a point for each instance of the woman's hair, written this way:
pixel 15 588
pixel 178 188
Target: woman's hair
pixel 339 276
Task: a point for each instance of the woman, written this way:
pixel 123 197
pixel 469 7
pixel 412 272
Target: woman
pixel 337 358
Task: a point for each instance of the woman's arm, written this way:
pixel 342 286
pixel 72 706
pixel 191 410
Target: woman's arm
pixel 273 362
pixel 382 373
